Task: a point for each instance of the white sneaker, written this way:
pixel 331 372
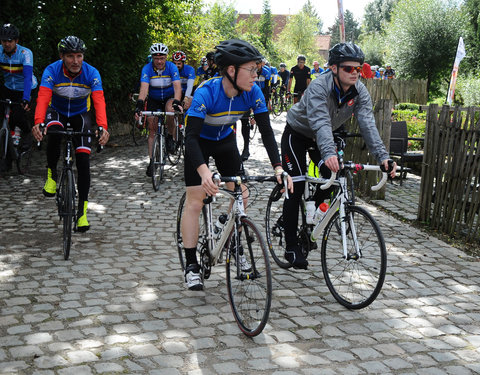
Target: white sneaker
pixel 242 260
pixel 193 278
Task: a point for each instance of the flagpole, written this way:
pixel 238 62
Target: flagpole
pixel 341 21
pixel 453 78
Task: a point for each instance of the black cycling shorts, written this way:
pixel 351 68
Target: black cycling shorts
pixel 156 105
pixel 226 156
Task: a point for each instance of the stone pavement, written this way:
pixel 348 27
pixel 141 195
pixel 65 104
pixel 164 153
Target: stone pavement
pixel 119 305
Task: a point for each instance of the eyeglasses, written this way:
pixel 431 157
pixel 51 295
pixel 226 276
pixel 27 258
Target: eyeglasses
pixel 350 69
pixel 253 71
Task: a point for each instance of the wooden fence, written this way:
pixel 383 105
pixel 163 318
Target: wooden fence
pixel 400 91
pixel 450 186
pixel 358 152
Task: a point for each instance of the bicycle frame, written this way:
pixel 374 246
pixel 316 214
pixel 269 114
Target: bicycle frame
pixel 6 116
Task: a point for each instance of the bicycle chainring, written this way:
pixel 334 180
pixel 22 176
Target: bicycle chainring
pixel 205 263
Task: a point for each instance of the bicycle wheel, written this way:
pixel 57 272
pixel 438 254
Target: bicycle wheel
pixel 276 105
pixel 249 280
pixel 3 150
pixel 138 132
pixel 66 210
pixel 24 150
pixel 355 282
pixel 174 158
pixel 202 235
pixel 158 159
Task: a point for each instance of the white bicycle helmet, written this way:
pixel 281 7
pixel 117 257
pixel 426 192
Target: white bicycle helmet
pixel 158 48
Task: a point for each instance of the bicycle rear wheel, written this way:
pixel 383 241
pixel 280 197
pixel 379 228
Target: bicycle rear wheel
pixel 158 161
pixel 354 282
pixel 249 280
pixel 174 157
pixel 66 210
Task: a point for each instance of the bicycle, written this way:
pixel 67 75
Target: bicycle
pixel 284 101
pixel 274 103
pixel 249 283
pixel 9 152
pixel 66 193
pixel 355 274
pixel 178 140
pixel 159 151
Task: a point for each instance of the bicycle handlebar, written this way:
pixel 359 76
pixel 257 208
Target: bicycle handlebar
pixel 368 167
pixel 156 113
pixel 11 102
pixel 69 132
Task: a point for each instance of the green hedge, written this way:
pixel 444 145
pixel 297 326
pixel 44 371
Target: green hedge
pixel 416 121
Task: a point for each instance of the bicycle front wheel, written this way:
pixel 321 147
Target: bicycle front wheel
pixel 174 157
pixel 249 280
pixel 356 281
pixel 67 191
pixel 158 161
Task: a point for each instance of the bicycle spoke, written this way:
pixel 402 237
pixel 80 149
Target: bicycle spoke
pixel 249 279
pixel 356 281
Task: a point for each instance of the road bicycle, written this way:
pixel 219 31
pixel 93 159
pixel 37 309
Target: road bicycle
pixel 353 256
pixel 66 194
pixel 275 102
pixel 284 102
pixel 178 140
pixel 159 151
pixel 249 280
pixel 9 152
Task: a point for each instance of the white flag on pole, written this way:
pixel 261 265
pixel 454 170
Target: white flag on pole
pixel 453 80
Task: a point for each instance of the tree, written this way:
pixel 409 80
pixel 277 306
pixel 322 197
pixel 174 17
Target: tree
pixel 422 39
pixel 471 11
pixel 298 37
pixel 352 29
pixel 266 25
pixel 374 47
pixel 222 18
pixel 377 14
pixel 309 8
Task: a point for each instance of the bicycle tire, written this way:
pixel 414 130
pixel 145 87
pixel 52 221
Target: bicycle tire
pixel 137 133
pixel 158 161
pixel 202 233
pixel 174 157
pixel 3 150
pixel 24 157
pixel 355 283
pixel 249 291
pixel 67 189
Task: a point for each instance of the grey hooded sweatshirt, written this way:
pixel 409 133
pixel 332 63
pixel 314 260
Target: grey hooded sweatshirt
pixel 318 113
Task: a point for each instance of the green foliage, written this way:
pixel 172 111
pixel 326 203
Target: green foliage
pixel 407 106
pixel 298 37
pixel 266 25
pixel 377 15
pixel 471 13
pixel 352 29
pixel 422 39
pixel 416 122
pixel 374 48
pixel 468 91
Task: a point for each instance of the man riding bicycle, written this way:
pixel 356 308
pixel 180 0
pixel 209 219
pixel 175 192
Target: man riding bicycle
pixel 187 77
pixel 217 105
pixel 329 101
pixel 16 63
pixel 63 98
pixel 301 73
pixel 161 82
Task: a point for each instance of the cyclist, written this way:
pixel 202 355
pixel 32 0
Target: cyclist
pixel 316 71
pixel 63 98
pixel 284 75
pixel 217 105
pixel 187 77
pixel 389 72
pixel 201 71
pixel 329 101
pixel 16 63
pixel 301 73
pixel 161 82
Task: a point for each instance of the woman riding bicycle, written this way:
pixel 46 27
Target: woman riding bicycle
pixel 217 105
pixel 328 102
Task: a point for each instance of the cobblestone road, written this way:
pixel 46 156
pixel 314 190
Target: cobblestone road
pixel 119 305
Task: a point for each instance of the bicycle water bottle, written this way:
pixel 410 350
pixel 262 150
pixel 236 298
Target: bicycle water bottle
pixel 217 229
pixel 16 136
pixel 320 212
pixel 310 208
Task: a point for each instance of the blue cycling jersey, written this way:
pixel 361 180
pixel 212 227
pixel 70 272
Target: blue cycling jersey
pixel 71 97
pixel 160 82
pixel 220 113
pixel 264 77
pixel 187 72
pixel 18 70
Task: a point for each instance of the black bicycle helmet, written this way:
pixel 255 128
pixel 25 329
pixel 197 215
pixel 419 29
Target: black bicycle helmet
pixel 71 44
pixel 235 52
pixel 301 57
pixel 283 65
pixel 345 52
pixel 9 32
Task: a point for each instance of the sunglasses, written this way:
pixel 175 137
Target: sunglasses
pixel 350 69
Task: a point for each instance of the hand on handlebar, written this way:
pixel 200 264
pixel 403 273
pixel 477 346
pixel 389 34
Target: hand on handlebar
pixel 389 166
pixel 177 106
pixel 332 164
pixel 37 131
pixel 104 136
